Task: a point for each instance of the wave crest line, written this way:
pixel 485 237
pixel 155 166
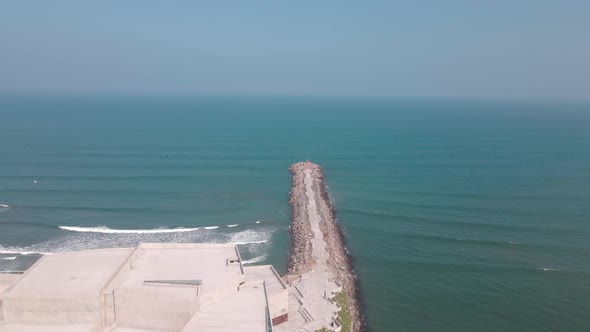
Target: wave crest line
pixel 106 230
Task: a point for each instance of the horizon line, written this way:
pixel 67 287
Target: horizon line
pixel 111 94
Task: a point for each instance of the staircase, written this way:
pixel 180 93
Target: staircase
pixel 306 315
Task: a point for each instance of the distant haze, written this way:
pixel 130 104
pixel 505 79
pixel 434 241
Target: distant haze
pixel 475 49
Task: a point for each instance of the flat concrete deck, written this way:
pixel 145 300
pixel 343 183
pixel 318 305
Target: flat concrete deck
pixel 242 311
pixel 265 272
pixel 81 273
pixel 46 328
pixel 177 262
pixel 127 329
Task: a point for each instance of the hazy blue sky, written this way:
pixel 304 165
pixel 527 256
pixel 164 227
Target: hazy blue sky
pixel 507 49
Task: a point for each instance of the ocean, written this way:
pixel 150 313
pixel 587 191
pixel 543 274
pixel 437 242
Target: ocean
pixel 460 215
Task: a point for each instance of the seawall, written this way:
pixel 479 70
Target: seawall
pixel 300 254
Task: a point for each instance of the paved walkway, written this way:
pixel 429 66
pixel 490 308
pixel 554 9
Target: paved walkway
pixel 308 297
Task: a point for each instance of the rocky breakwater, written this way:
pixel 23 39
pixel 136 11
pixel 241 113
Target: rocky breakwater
pixel 339 260
pixel 300 229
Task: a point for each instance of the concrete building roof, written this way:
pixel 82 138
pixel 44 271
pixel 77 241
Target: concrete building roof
pixel 200 287
pixel 70 274
pixel 207 262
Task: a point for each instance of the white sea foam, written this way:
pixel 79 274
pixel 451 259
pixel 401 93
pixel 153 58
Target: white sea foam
pixel 249 242
pixel 250 237
pixel 4 206
pixel 21 251
pixel 548 269
pixel 106 230
pixel 234 225
pixel 8 258
pixel 254 240
pixel 258 222
pixel 254 260
pixel 211 227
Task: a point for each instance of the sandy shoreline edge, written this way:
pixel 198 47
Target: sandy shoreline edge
pixel 300 249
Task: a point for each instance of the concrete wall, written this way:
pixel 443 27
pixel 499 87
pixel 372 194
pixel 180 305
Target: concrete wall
pixel 154 308
pixel 54 310
pixel 278 304
pixel 108 318
pixel 277 294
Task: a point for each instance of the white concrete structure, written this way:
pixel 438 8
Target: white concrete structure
pixel 154 287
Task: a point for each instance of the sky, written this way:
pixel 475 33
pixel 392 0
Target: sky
pixel 498 49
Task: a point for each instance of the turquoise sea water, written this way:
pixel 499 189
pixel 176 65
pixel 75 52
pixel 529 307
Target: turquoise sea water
pixel 461 216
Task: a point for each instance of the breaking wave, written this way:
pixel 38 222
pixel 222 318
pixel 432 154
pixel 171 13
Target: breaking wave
pixel 8 258
pixel 234 225
pixel 4 206
pixel 106 230
pixel 89 238
pixel 211 227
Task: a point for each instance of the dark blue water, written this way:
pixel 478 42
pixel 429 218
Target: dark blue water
pixel 461 216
